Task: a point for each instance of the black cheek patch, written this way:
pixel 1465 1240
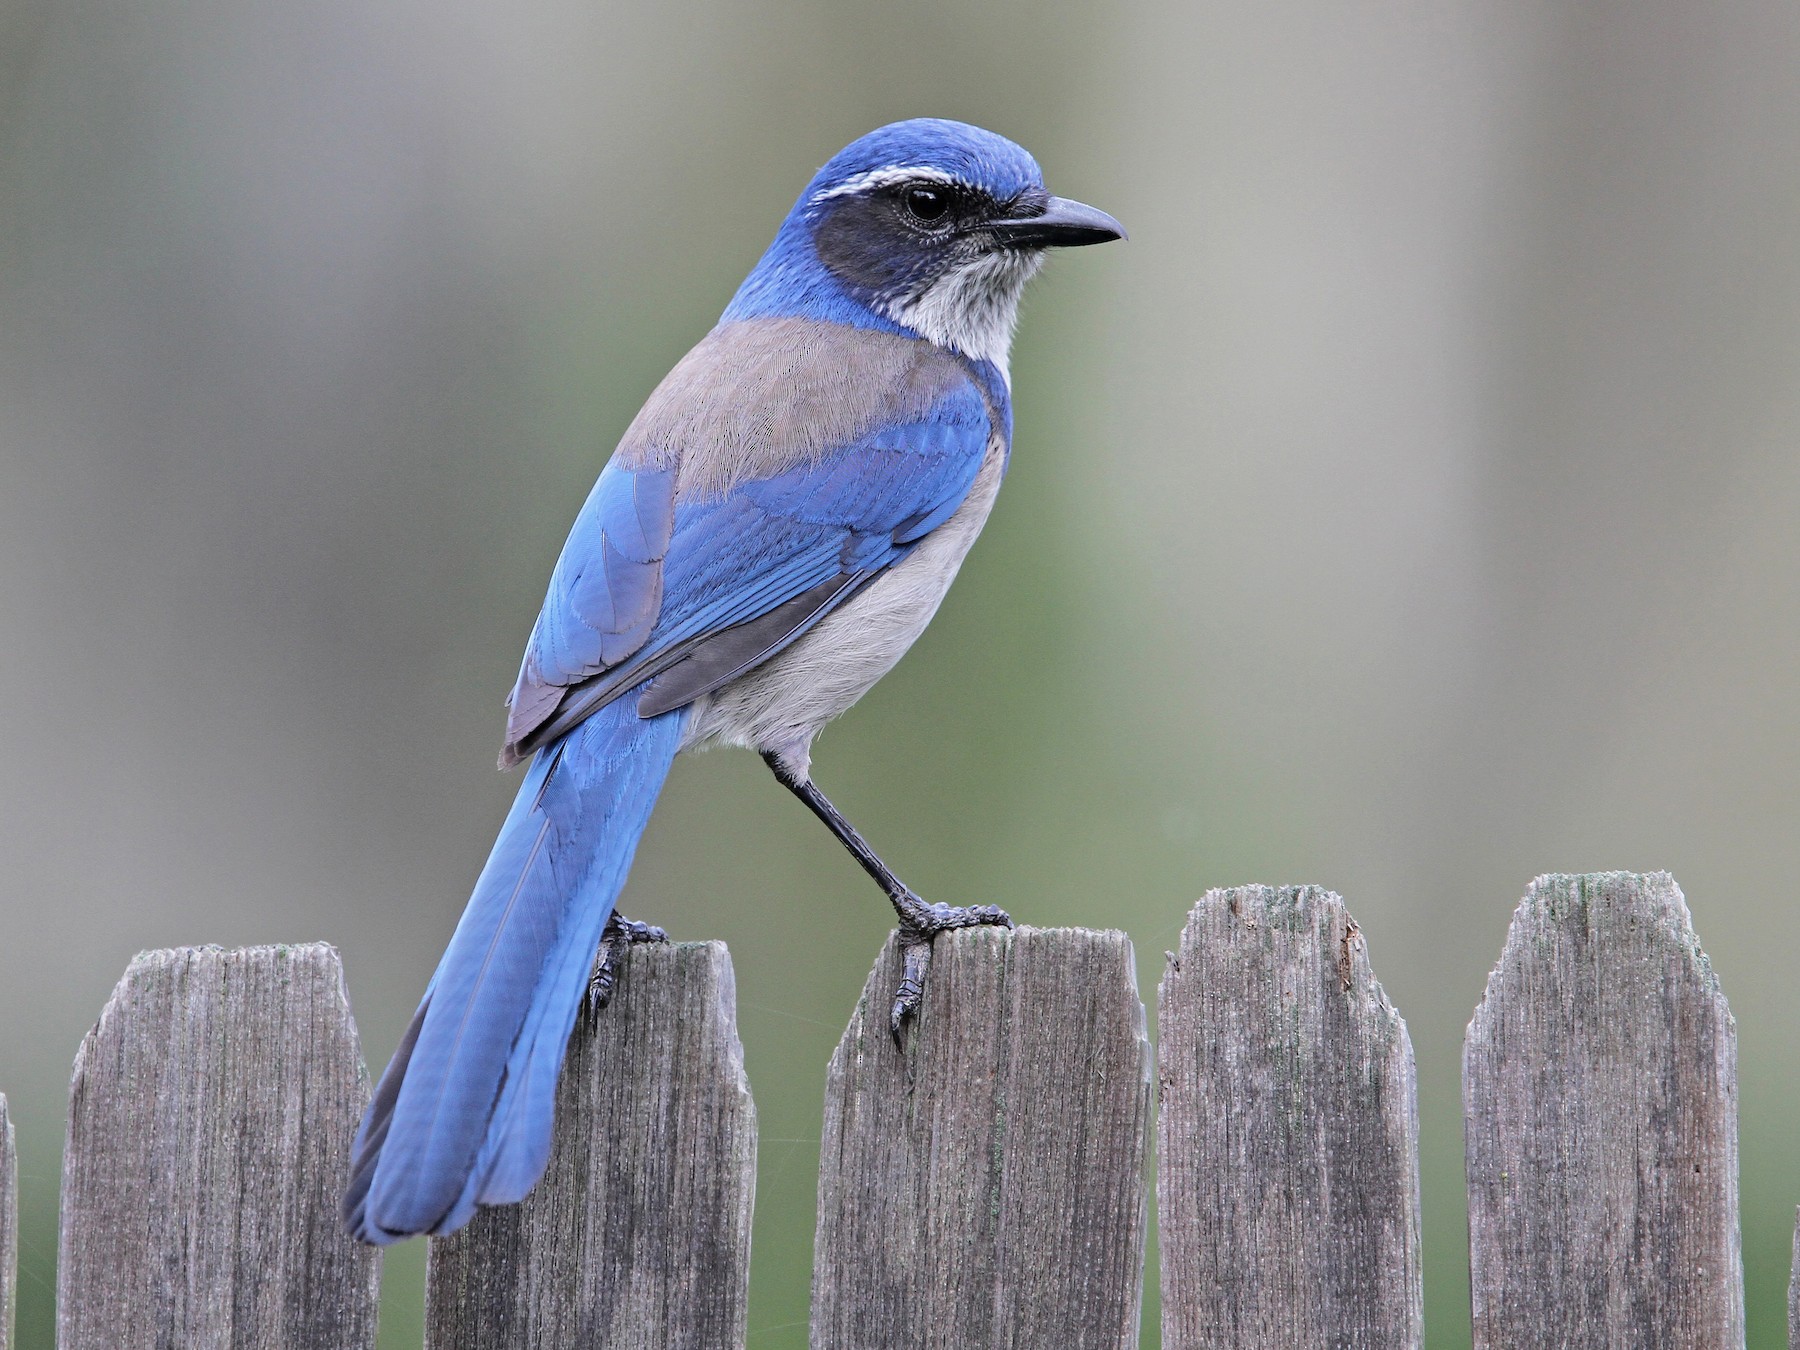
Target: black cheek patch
pixel 864 247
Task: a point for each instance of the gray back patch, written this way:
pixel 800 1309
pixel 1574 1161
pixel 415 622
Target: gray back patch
pixel 758 397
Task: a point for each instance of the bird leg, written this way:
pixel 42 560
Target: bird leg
pixel 919 921
pixel 619 934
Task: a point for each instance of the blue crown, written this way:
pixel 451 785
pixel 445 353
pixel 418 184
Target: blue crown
pixel 979 158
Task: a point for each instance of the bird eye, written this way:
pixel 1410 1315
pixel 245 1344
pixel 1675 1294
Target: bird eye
pixel 927 204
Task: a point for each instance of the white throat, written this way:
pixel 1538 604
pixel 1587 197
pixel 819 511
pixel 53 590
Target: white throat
pixel 973 309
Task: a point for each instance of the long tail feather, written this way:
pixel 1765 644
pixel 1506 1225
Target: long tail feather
pixel 463 1114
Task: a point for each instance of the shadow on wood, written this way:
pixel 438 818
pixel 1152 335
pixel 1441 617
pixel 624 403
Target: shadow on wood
pixel 1600 1090
pixel 639 1233
pixel 985 1187
pixel 1287 1145
pixel 209 1137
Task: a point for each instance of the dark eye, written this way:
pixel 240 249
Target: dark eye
pixel 927 204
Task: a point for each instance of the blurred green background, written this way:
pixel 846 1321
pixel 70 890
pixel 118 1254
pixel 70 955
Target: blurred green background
pixel 1410 507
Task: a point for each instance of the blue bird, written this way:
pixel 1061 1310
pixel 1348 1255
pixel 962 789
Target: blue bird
pixel 775 529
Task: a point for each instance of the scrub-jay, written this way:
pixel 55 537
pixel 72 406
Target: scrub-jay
pixel 775 529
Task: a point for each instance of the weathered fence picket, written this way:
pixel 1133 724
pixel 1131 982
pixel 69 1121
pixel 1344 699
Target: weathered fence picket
pixel 209 1136
pixel 1287 1145
pixel 983 1183
pixel 1793 1318
pixel 9 1227
pixel 985 1187
pixel 1600 1090
pixel 639 1234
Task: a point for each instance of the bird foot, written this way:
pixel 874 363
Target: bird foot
pixel 919 924
pixel 620 933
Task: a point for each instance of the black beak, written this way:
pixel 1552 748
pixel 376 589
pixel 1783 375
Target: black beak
pixel 1064 224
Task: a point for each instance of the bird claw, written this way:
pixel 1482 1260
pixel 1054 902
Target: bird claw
pixel 919 924
pixel 620 933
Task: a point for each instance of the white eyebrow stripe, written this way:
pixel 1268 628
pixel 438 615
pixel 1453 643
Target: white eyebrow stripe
pixel 880 178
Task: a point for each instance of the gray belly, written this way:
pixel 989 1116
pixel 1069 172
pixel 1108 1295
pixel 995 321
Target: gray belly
pixel 782 704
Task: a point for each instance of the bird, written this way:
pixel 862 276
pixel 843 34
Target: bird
pixel 775 528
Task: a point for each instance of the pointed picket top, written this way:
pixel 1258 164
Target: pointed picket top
pixel 1287 1144
pixel 1600 1102
pixel 639 1233
pixel 984 1185
pixel 210 1121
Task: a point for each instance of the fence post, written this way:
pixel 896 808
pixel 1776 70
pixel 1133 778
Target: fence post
pixel 984 1186
pixel 1794 1290
pixel 1287 1144
pixel 639 1233
pixel 9 1227
pixel 1600 1096
pixel 209 1133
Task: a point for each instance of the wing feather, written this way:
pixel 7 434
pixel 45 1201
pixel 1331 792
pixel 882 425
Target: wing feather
pixel 696 592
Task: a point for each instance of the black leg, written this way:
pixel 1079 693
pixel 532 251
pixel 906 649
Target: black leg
pixel 620 933
pixel 919 921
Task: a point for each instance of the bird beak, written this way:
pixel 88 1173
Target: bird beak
pixel 1063 224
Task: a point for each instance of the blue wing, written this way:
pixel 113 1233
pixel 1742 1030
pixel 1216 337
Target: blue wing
pixel 699 591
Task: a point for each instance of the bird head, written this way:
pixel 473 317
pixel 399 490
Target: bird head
pixel 931 227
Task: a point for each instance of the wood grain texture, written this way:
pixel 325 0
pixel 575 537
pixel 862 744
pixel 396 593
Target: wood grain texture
pixel 1793 1323
pixel 9 1227
pixel 1287 1143
pixel 1600 1096
pixel 985 1187
pixel 208 1144
pixel 639 1234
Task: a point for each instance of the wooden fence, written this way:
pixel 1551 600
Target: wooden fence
pixel 985 1188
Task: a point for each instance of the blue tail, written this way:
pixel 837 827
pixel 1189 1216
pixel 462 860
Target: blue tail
pixel 463 1114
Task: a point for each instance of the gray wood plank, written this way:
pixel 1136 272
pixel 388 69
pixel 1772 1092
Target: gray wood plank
pixel 1794 1290
pixel 1287 1142
pixel 639 1233
pixel 9 1227
pixel 209 1138
pixel 1600 1097
pixel 985 1187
